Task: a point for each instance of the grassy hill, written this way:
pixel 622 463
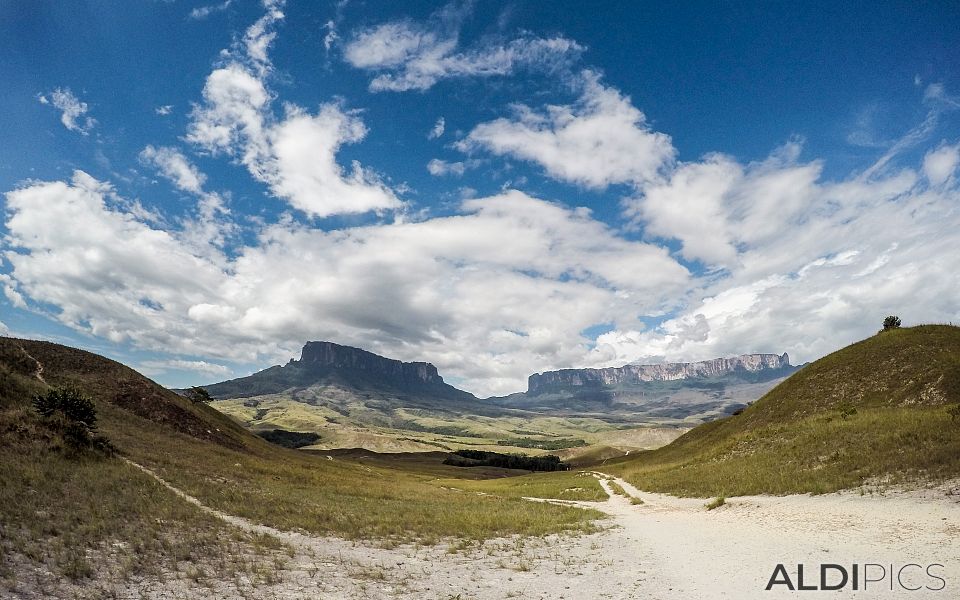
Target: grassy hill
pixel 90 515
pixel 86 515
pixel 882 410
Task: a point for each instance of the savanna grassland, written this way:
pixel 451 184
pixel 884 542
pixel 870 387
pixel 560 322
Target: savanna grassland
pixel 349 423
pixel 86 513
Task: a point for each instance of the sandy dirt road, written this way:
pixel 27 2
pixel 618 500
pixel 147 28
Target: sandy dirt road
pixel 732 551
pixel 665 548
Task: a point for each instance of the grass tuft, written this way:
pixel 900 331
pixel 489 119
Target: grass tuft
pixel 716 503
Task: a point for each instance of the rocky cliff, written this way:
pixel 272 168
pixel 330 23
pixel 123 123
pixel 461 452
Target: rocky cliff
pixel 327 355
pixel 326 363
pixel 751 367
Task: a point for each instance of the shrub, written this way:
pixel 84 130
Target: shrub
pixel 71 414
pixel 891 322
pixel 70 403
pixel 199 394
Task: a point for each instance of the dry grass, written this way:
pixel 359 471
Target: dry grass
pixel 90 516
pixel 291 490
pixel 565 485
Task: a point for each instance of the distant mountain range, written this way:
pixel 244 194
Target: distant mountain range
pixel 669 390
pixel 749 367
pixel 327 373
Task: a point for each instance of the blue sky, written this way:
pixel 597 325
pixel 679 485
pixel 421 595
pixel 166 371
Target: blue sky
pixel 496 187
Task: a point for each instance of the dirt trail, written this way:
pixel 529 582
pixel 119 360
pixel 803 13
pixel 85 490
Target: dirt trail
pixel 239 522
pixel 665 548
pixel 732 551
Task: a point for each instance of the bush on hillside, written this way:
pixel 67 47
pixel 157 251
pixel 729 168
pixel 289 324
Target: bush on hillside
pixel 72 415
pixel 199 394
pixel 891 322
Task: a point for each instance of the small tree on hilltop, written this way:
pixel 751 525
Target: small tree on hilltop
pixel 199 394
pixel 891 322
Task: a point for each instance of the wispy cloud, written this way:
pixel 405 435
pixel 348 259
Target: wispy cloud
pixel 940 164
pixel 173 165
pixel 196 366
pixel 72 110
pixel 438 128
pixel 202 12
pixel 938 102
pixel 412 56
pixel 438 167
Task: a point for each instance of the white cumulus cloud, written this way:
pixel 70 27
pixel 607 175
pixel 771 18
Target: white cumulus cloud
pixel 814 278
pixel 600 141
pixel 717 207
pixel 295 155
pixel 490 294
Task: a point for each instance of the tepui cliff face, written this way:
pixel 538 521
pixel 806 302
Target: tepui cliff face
pixel 636 374
pixel 330 364
pixel 325 355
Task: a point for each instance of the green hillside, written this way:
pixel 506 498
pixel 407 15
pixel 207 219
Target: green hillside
pixel 883 410
pixel 89 515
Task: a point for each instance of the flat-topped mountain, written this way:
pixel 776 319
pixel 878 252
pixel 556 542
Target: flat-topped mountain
pixel 691 390
pixel 749 367
pixel 329 364
pixel 327 355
